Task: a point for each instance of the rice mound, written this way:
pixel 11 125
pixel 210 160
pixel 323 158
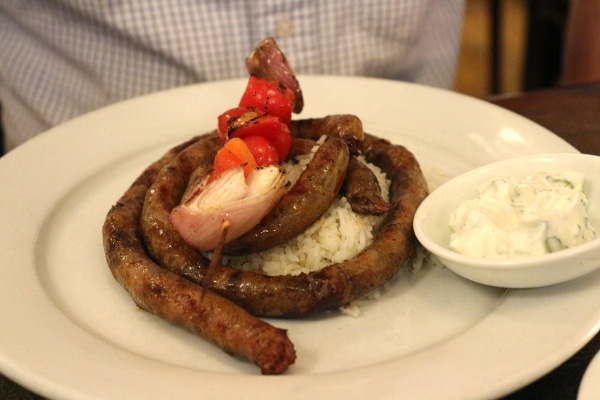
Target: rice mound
pixel 338 235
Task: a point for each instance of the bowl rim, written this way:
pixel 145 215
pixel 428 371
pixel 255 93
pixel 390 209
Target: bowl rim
pixel 486 263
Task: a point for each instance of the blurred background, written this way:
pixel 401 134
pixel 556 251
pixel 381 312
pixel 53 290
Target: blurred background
pixel 496 56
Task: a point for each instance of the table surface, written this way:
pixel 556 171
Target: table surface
pixel 572 113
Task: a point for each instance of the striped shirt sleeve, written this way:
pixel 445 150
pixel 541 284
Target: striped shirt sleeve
pixel 63 58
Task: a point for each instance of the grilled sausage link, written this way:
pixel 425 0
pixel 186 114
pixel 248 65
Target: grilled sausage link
pixel 163 242
pixel 303 204
pixel 362 189
pixel 300 147
pixel 339 284
pixel 345 126
pixel 177 299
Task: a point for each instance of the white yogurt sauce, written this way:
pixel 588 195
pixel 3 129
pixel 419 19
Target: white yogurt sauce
pixel 512 217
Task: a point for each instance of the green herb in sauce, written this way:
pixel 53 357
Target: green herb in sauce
pixel 512 217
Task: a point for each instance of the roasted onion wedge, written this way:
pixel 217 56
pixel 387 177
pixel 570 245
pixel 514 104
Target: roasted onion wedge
pixel 241 202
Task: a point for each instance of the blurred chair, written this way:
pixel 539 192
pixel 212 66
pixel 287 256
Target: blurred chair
pixel 545 39
pixel 546 22
pixel 1 134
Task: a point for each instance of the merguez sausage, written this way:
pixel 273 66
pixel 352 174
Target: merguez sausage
pixel 344 126
pixel 177 299
pixel 300 147
pixel 339 284
pixel 162 241
pixel 303 204
pixel 362 189
pixel 310 197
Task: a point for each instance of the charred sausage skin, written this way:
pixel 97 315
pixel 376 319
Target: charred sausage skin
pixel 303 204
pixel 362 189
pixel 344 126
pixel 335 285
pixel 177 299
pixel 308 199
pixel 163 242
pixel 339 284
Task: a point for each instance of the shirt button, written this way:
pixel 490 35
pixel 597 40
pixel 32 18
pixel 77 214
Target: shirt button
pixel 284 27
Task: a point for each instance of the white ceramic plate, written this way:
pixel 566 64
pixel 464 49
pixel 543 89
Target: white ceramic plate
pixel 590 383
pixel 70 331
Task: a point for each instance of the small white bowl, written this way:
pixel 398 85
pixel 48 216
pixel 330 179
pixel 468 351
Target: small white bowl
pixel 433 215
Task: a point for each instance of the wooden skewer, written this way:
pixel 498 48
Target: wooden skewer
pixel 216 257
